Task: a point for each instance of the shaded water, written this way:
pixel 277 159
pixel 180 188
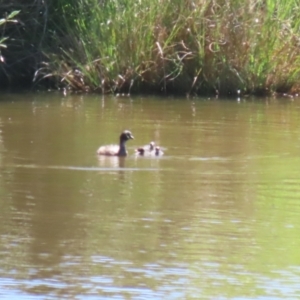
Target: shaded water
pixel 217 217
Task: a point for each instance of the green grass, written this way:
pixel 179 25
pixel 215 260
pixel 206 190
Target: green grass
pixel 173 46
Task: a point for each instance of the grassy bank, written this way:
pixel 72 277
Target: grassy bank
pixel 170 46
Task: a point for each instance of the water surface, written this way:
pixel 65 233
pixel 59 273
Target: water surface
pixel 217 217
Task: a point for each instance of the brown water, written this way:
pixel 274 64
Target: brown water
pixel 217 217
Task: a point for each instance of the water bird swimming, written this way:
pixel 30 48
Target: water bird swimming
pixel 149 150
pixel 146 148
pixel 116 150
pixel 158 151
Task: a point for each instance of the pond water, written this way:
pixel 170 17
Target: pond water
pixel 217 217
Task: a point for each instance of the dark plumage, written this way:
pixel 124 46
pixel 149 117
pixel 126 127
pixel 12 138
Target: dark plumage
pixel 116 150
pixel 158 151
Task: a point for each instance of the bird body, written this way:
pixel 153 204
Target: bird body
pixel 116 150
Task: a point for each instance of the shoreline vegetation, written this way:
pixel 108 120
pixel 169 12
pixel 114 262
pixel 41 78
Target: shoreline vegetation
pixel 200 47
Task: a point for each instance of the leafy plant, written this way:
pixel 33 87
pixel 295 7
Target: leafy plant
pixel 3 22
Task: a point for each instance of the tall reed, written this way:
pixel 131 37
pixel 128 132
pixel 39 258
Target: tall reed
pixel 176 46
